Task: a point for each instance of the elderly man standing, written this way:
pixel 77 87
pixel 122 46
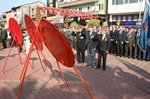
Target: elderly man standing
pixel 91 46
pixel 103 43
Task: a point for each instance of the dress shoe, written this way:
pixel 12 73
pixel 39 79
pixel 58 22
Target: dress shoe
pixel 87 65
pixel 104 69
pixel 92 66
pixel 97 68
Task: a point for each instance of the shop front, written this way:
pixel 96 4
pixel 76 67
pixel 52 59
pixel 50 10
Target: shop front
pixel 57 21
pixel 81 19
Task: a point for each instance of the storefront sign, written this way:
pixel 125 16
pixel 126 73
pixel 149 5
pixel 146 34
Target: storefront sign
pixel 57 20
pixel 128 23
pixel 124 23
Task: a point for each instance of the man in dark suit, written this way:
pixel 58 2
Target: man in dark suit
pixel 4 36
pixel 91 47
pixel 137 50
pixel 113 47
pixel 120 38
pixel 129 38
pixel 103 43
pixel 80 42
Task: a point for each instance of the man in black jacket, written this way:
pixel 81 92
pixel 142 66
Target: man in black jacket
pixel 91 46
pixel 103 43
pixel 120 38
pixel 4 36
pixel 113 47
pixel 80 42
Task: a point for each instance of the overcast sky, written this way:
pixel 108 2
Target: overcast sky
pixel 6 5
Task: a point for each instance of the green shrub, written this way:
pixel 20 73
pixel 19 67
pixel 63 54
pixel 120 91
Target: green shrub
pixel 95 22
pixel 73 24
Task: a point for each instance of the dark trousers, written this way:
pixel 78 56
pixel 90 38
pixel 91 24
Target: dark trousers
pixel 100 55
pixel 74 43
pixel 113 47
pixel 119 49
pixel 148 53
pixel 128 48
pixel 4 43
pixel 80 55
pixel 137 52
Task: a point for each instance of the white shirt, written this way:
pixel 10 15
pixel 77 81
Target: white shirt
pixel 103 37
pixel 91 33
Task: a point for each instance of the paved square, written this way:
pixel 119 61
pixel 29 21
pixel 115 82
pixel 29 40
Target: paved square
pixel 124 79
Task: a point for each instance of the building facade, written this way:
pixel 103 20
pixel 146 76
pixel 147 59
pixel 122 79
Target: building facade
pixel 93 7
pixel 126 12
pixel 8 16
pixel 19 12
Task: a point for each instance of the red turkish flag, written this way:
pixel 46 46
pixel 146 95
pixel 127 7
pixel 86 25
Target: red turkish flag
pixel 43 9
pixel 144 25
pixel 50 11
pixel 65 12
pixel 55 12
pixel 60 12
pixel 69 12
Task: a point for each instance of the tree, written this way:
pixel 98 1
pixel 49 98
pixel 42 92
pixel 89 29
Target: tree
pixel 95 22
pixel 73 24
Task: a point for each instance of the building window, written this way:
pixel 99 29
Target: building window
pixel 113 2
pixel 90 8
pixel 61 1
pixel 32 11
pixel 140 0
pixel 97 7
pixel 126 1
pixel 100 6
pixel 133 1
pixel 119 1
pixel 80 9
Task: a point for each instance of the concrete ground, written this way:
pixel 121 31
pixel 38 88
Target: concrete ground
pixel 123 79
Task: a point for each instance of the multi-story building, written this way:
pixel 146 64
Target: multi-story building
pixel 9 14
pixel 126 12
pixel 19 11
pixel 93 7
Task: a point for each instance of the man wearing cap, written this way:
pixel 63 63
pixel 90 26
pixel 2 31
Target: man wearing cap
pixel 103 43
pixel 4 36
pixel 91 46
pixel 80 42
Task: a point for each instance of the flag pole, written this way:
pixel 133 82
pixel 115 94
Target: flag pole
pixel 141 1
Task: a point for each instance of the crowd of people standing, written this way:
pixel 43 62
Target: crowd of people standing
pixel 117 41
pixel 88 37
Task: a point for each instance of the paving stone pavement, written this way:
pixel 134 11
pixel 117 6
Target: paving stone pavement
pixel 124 79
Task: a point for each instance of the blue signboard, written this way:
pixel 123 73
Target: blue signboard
pixel 128 23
